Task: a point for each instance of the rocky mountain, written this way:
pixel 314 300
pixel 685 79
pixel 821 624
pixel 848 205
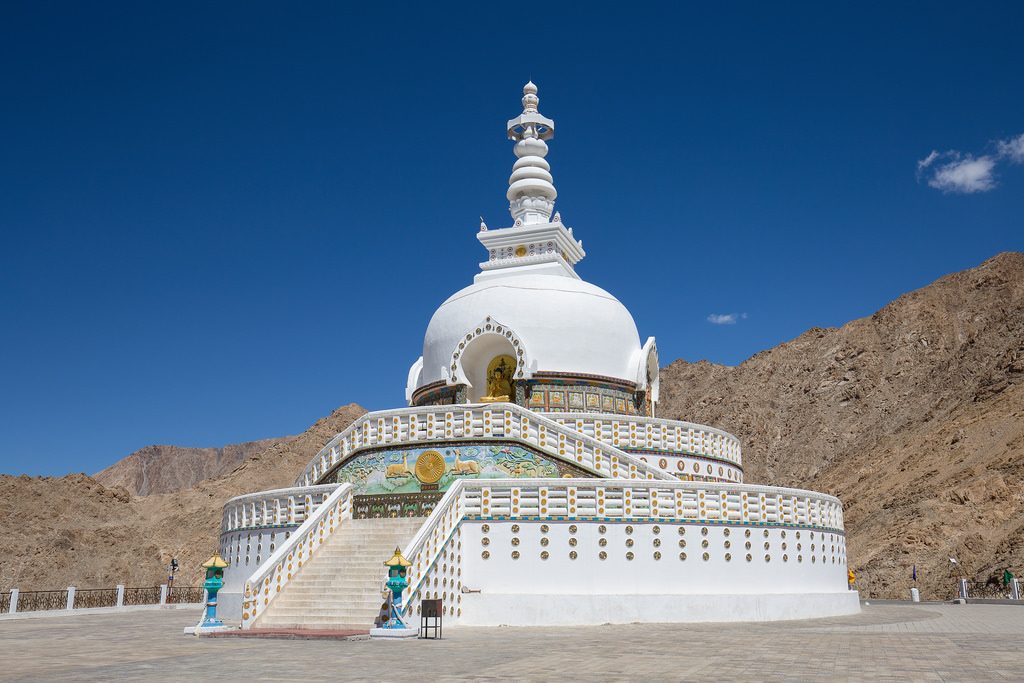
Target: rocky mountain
pixel 73 530
pixel 166 469
pixel 913 416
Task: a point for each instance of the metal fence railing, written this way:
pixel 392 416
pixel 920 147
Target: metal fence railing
pixel 978 590
pixel 180 595
pixel 13 601
pixel 148 595
pixel 38 601
pixel 95 597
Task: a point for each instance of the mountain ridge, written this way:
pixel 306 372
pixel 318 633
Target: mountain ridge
pixel 169 468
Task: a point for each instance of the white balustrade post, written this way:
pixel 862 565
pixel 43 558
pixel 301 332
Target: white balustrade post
pixel 120 596
pixel 71 597
pixel 163 594
pixel 14 601
pixel 1014 588
pixel 962 588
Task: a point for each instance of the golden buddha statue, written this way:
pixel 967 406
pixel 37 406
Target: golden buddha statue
pixel 499 379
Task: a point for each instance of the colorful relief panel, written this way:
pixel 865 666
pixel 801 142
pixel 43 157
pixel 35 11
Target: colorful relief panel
pixel 435 468
pixel 568 395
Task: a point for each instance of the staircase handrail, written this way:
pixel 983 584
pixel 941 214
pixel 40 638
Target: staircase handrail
pixel 267 581
pixel 418 570
pixel 635 467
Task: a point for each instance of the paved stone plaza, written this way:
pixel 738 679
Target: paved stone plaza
pixel 886 642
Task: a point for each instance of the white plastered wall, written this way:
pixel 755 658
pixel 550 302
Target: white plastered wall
pixel 244 550
pixel 588 590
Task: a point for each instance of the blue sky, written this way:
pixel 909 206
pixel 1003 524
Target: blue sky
pixel 218 222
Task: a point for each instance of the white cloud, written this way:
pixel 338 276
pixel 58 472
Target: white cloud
pixel 1012 149
pixel 928 160
pixel 963 173
pixel 726 318
pixel 965 176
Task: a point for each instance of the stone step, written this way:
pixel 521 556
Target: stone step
pixel 341 585
pixel 315 599
pixel 362 545
pixel 314 625
pixel 320 607
pixel 340 568
pixel 309 593
pixel 368 555
pixel 339 560
pixel 335 578
pixel 340 613
pixel 337 585
pixel 366 589
pixel 318 612
pixel 360 621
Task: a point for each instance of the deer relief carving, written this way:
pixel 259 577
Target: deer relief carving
pixel 465 466
pixel 399 470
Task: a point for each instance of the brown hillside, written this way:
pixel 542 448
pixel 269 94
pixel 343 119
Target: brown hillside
pixel 912 416
pixel 74 531
pixel 166 469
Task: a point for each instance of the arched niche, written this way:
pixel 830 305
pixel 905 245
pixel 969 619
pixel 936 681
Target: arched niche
pixel 481 345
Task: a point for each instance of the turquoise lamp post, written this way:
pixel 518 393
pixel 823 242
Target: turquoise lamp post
pixel 398 569
pixel 395 626
pixel 214 582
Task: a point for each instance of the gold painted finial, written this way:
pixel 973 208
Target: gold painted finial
pixel 215 562
pixel 398 560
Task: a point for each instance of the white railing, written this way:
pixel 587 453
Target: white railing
pixel 657 434
pixel 436 565
pixel 278 507
pixel 663 500
pixel 425 549
pixel 498 421
pixel 273 575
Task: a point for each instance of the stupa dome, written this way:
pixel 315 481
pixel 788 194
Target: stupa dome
pixel 551 322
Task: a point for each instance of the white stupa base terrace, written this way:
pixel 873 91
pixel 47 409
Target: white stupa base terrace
pixel 517 609
pixel 585 552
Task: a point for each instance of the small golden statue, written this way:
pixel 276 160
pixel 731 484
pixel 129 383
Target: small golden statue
pixel 499 379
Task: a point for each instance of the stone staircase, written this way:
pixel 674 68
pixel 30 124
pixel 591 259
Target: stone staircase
pixel 341 586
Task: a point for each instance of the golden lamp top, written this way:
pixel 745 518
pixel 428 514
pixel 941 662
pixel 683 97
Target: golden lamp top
pixel 215 562
pixel 398 560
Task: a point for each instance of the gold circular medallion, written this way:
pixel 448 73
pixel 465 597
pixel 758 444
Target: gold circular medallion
pixel 521 251
pixel 430 467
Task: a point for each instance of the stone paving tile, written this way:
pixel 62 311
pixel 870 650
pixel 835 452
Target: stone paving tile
pixel 883 643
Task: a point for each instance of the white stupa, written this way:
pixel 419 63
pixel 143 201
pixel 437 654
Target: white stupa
pixel 529 480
